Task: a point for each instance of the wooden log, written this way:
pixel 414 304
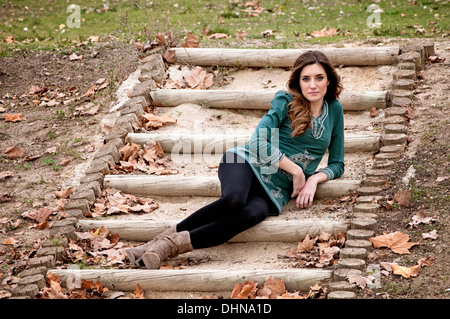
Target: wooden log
pixel 193 279
pixel 284 58
pixel 177 185
pixel 266 231
pixel 258 99
pixel 182 143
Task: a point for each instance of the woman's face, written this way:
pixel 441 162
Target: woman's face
pixel 313 82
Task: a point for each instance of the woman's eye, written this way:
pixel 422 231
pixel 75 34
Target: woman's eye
pixel 320 78
pixel 305 79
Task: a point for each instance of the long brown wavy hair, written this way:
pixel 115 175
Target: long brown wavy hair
pixel 300 108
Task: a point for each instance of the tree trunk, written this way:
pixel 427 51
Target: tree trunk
pixel 181 143
pixel 177 185
pixel 266 231
pixel 283 57
pixel 258 99
pixel 193 280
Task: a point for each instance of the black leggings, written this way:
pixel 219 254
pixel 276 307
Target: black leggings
pixel 244 203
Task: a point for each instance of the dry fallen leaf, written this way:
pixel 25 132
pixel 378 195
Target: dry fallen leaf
pixel 421 218
pixel 323 33
pixel 218 36
pixel 169 56
pixel 373 112
pixel 199 79
pixel 431 235
pixel 64 193
pixel 14 152
pixel 138 293
pixel 406 272
pixel 191 41
pixel 397 242
pixel 403 198
pixel 306 245
pixel 13 117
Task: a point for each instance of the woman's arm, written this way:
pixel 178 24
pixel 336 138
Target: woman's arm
pixel 296 171
pixel 306 196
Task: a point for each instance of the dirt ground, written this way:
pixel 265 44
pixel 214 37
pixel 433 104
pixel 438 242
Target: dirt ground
pixel 57 140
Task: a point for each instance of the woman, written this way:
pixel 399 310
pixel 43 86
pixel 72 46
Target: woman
pixel 278 164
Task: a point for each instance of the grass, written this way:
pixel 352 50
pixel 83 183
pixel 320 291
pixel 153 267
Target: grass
pixel 45 25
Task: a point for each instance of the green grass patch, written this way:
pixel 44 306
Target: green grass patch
pixel 47 25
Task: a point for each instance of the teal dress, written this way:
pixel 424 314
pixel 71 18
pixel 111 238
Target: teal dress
pixel 272 140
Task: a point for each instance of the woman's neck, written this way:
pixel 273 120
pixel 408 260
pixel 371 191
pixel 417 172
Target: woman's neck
pixel 316 108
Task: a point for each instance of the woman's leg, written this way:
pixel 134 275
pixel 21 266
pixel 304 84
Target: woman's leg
pixel 236 178
pixel 220 231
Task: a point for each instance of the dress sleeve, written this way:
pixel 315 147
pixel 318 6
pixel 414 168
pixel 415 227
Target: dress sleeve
pixel 264 142
pixel 335 166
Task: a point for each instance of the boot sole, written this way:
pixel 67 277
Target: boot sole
pixel 151 260
pixel 130 257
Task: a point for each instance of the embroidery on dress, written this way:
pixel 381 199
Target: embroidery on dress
pixel 317 124
pixel 277 193
pixel 303 159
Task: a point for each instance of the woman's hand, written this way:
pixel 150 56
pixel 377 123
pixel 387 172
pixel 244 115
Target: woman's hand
pixel 298 179
pixel 306 196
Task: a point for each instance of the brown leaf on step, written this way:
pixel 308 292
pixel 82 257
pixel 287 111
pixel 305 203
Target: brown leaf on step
pixel 199 79
pixel 410 113
pixel 246 290
pixel 191 41
pixel 373 112
pixel 323 33
pixel 40 215
pixel 397 242
pixel 138 293
pixel 276 287
pixel 13 117
pixel 14 152
pixel 64 193
pixel 306 245
pixel 169 56
pixel 152 121
pixel 403 198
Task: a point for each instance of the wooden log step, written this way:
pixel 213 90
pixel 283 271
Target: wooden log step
pixel 178 185
pixel 193 280
pixel 359 56
pixel 258 99
pixel 266 231
pixel 182 143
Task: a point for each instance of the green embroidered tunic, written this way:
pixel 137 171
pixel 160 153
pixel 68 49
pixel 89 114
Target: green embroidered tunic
pixel 272 140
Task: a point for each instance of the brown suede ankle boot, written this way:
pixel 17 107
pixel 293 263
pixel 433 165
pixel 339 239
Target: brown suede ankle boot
pixel 134 254
pixel 168 246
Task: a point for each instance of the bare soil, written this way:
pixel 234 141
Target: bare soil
pixel 76 137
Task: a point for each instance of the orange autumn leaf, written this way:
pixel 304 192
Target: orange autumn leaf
pixel 191 41
pixel 13 117
pixel 64 193
pixel 323 33
pixel 397 242
pixel 9 241
pixel 14 152
pixel 138 293
pixel 307 244
pixel 199 79
pixel 406 272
